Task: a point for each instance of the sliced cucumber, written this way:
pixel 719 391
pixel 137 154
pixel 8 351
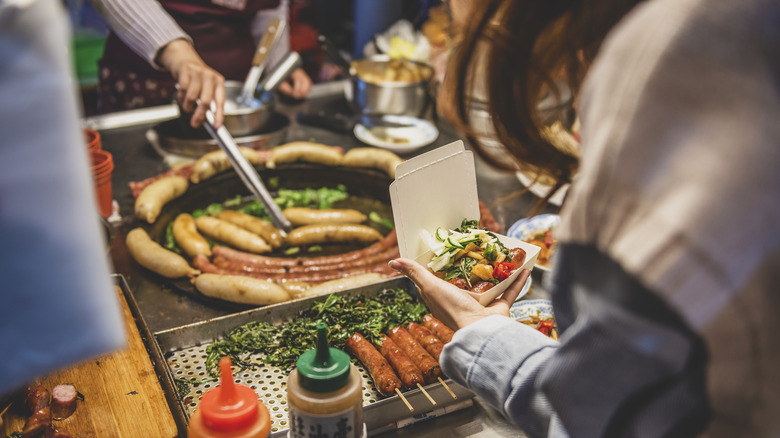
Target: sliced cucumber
pixel 441 234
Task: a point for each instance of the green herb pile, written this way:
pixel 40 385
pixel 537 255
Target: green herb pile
pixel 258 343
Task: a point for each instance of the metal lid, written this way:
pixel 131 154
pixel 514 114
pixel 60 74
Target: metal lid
pixel 323 369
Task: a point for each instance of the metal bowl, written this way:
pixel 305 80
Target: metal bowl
pixel 381 85
pixel 240 120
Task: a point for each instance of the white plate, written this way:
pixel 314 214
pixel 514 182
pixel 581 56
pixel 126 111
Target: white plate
pixel 403 140
pixel 524 229
pixel 521 310
pixel 541 190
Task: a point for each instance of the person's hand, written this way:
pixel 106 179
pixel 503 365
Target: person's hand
pixel 297 85
pixel 199 84
pixel 452 305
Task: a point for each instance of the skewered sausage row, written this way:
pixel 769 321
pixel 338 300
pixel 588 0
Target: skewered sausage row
pixel 428 365
pixel 409 373
pixel 385 380
pixel 438 328
pixel 428 340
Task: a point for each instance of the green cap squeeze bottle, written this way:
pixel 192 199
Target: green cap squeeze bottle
pixel 324 393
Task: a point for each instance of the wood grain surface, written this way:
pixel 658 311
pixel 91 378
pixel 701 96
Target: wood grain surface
pixel 122 396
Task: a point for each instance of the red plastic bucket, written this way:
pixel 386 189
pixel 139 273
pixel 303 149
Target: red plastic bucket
pixel 102 169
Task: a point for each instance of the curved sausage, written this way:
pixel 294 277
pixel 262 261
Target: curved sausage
pixel 63 401
pixel 308 216
pixel 204 264
pixel 214 162
pixel 385 256
pixel 427 364
pixel 251 259
pixel 438 328
pixel 154 257
pixel 230 265
pixel 332 233
pixel 482 287
pixel 428 340
pixel 385 380
pixel 36 397
pixel 151 200
pixel 186 235
pixel 235 268
pixel 231 234
pixel 261 227
pixel 240 289
pixel 37 423
pixel 372 157
pixel 409 373
pixel 517 256
pixel 305 151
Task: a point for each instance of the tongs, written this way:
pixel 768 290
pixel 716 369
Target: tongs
pixel 247 173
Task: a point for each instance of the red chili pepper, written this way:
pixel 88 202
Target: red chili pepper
pixel 545 326
pixel 503 270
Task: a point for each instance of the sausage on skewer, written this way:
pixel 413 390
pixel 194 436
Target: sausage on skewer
pixel 409 373
pixel 428 340
pixel 438 328
pixel 385 380
pixel 430 368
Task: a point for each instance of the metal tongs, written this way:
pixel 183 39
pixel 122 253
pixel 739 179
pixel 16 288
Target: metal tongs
pixel 247 173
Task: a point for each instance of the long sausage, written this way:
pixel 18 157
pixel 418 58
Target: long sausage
pixel 385 380
pixel 518 256
pixel 36 398
pixel 428 340
pixel 427 364
pixel 329 233
pixel 230 263
pixel 37 423
pixel 307 276
pixel 409 373
pixel 438 328
pixel 308 216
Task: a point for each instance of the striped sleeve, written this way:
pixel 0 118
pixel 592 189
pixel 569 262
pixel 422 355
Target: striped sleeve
pixel 142 24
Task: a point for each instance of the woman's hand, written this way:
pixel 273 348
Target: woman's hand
pixel 297 85
pixel 199 84
pixel 452 305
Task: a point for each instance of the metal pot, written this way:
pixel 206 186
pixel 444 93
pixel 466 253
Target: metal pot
pixel 381 85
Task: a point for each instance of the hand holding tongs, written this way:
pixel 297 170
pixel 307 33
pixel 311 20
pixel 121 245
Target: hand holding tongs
pixel 247 173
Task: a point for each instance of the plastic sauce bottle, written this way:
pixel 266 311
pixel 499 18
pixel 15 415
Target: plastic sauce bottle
pixel 324 393
pixel 230 411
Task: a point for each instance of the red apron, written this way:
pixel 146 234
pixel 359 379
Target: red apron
pixel 221 35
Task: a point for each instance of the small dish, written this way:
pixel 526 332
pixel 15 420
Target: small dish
pixel 524 309
pixel 401 140
pixel 526 228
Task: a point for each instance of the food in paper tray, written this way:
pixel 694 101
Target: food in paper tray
pixel 471 257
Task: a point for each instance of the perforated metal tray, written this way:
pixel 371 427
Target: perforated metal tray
pixel 184 349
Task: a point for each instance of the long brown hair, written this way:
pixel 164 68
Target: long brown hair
pixel 527 45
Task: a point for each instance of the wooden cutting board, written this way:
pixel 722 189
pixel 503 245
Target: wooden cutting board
pixel 122 396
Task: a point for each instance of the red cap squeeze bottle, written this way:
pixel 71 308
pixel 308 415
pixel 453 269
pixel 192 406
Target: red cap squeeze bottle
pixel 230 411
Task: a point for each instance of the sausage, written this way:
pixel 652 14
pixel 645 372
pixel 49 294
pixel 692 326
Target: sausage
pixel 234 266
pixel 151 200
pixel 154 257
pixel 214 162
pixel 486 218
pixel 372 157
pixel 240 289
pixel 36 397
pixel 410 374
pixel 336 285
pixel 187 237
pixel 438 328
pixel 331 233
pixel 138 186
pixel 385 256
pixel 482 287
pixel 296 289
pixel 305 151
pixel 231 234
pixel 308 216
pixel 63 401
pixel 37 423
pixel 204 265
pixel 427 364
pixel 518 256
pixel 428 340
pixel 251 259
pixel 385 380
pixel 459 282
pixel 261 227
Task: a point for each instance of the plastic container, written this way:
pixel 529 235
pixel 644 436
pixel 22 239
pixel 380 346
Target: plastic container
pixel 102 169
pixel 324 393
pixel 93 140
pixel 229 411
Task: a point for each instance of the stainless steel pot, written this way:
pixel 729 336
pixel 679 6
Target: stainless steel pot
pixel 381 85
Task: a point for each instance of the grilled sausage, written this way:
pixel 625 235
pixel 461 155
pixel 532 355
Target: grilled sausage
pixel 428 340
pixel 248 269
pixel 372 157
pixel 214 162
pixel 438 328
pixel 305 151
pixel 308 216
pixel 259 226
pixel 63 401
pixel 187 237
pixel 385 380
pixel 151 200
pixel 239 289
pixel 482 287
pixel 37 423
pixel 204 265
pixel 427 364
pixel 251 259
pixel 154 257
pixel 409 373
pixel 518 256
pixel 36 397
pixel 232 234
pixel 332 233
pixel 235 268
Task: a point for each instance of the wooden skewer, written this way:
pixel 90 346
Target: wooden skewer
pixel 430 399
pixel 447 388
pixel 406 402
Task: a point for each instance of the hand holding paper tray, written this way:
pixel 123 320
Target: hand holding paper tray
pixel 438 189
